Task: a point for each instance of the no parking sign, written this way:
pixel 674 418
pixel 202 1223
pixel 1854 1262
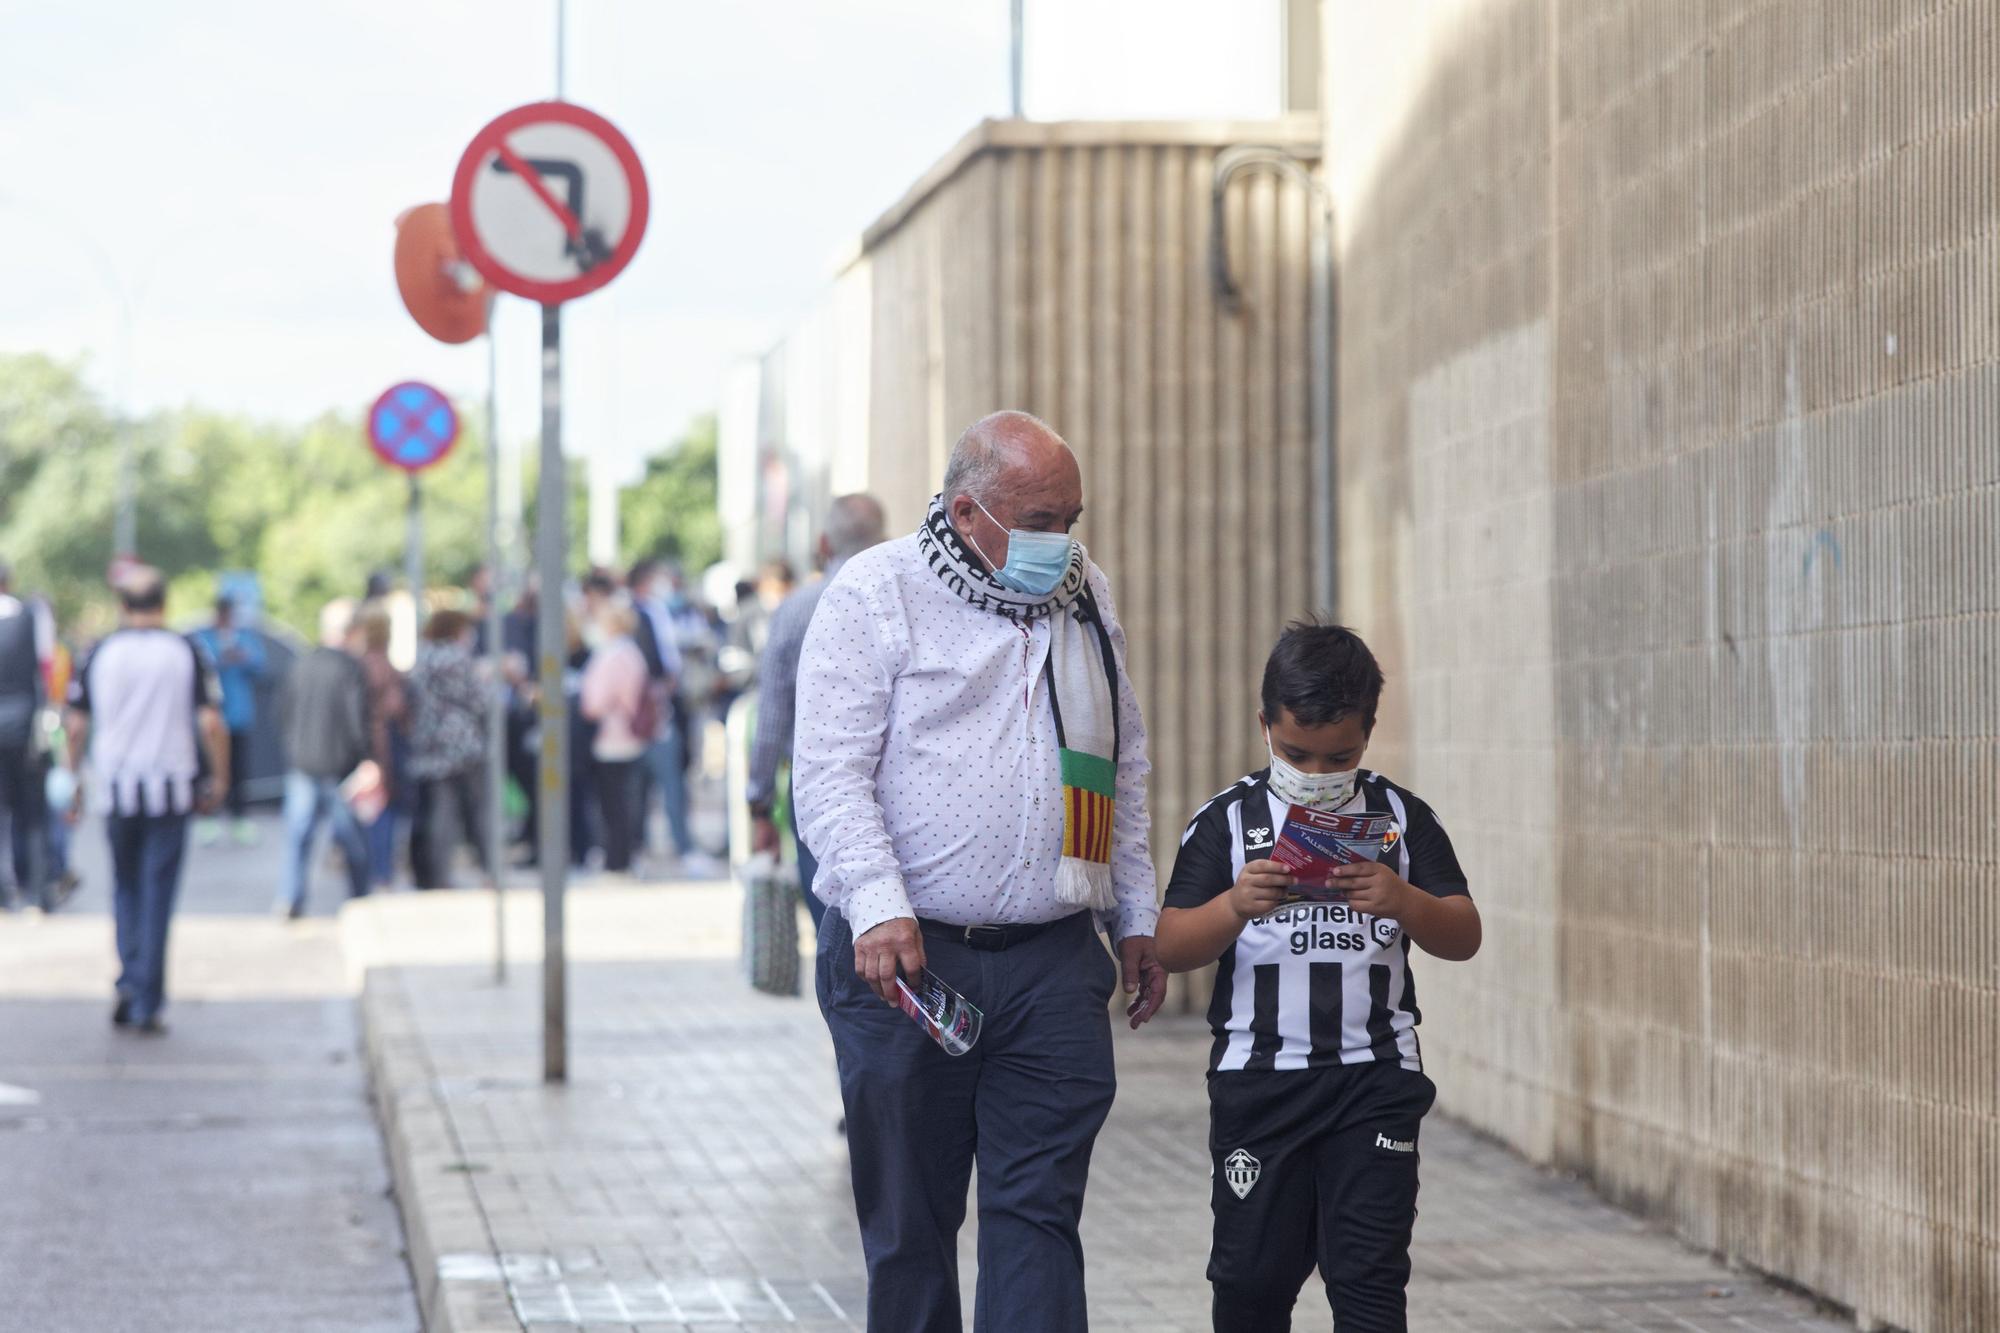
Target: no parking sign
pixel 412 426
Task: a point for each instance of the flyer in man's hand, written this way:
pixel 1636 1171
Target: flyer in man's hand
pixel 1313 843
pixel 950 1020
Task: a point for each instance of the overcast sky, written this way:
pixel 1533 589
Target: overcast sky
pixel 234 167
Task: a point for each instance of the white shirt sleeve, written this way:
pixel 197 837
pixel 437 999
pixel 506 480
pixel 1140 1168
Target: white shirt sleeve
pixel 1134 880
pixel 847 671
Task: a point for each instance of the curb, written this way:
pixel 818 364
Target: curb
pixel 460 1282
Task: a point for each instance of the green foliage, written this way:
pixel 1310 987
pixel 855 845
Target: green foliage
pixel 671 511
pixel 308 508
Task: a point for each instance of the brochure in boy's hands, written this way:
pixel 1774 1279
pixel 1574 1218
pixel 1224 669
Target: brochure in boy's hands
pixel 1313 843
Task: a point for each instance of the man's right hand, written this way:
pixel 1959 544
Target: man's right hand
pixel 763 834
pixel 881 950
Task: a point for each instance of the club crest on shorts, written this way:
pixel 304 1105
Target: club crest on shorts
pixel 1241 1170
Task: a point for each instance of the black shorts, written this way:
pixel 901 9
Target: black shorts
pixel 1314 1166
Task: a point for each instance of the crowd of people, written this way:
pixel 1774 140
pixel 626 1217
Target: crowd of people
pixel 385 751
pixel 969 810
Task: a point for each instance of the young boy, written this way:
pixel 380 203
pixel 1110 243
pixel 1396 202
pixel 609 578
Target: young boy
pixel 1316 1085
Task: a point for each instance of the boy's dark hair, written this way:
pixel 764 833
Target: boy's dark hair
pixel 1321 673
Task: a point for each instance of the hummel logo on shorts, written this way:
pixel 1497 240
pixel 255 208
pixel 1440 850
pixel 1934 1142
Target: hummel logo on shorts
pixel 1395 1145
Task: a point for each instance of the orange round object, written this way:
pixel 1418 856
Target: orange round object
pixel 442 292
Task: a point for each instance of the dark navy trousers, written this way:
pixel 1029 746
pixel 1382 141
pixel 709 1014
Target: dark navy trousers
pixel 146 853
pixel 1025 1103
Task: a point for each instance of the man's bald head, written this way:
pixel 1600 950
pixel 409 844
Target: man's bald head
pixel 1000 444
pixel 1011 470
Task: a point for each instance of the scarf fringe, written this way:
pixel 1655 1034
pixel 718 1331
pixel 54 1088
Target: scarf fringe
pixel 1081 883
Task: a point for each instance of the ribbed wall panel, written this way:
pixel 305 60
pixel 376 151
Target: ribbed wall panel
pixel 1670 461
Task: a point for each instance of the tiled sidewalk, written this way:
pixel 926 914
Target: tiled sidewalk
pixel 689 1177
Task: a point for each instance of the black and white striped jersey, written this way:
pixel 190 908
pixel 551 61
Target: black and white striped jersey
pixel 144 690
pixel 1312 983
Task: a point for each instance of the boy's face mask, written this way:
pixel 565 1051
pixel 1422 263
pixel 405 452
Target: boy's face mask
pixel 1315 791
pixel 1342 740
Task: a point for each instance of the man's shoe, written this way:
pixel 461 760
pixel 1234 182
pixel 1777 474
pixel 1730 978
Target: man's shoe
pixel 154 1026
pixel 121 1013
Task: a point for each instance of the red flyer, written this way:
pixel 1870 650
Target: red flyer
pixel 1313 844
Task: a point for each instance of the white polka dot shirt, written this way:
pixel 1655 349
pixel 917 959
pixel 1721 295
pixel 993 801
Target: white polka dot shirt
pixel 928 775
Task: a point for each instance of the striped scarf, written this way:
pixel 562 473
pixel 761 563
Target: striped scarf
pixel 1083 696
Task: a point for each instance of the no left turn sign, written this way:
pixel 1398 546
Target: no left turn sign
pixel 549 202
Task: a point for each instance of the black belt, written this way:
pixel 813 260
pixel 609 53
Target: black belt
pixel 988 939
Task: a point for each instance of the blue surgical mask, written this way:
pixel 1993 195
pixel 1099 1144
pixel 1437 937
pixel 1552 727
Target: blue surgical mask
pixel 1036 561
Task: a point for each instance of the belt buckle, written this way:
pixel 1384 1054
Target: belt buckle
pixel 987 939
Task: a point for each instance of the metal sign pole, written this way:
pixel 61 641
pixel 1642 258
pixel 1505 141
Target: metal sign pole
pixel 496 651
pixel 413 551
pixel 551 543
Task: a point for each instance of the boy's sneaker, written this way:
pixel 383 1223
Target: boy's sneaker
pixel 245 833
pixel 207 832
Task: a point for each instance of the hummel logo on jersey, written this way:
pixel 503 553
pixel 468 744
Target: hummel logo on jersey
pixel 1395 1145
pixel 1241 1170
pixel 1260 837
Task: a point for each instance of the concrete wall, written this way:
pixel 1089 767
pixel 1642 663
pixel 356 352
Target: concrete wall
pixel 1670 462
pixel 1065 269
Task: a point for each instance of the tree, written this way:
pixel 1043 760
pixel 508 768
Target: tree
pixel 310 510
pixel 671 511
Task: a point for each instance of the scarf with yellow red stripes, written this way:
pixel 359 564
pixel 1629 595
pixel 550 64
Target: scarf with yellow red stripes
pixel 1083 696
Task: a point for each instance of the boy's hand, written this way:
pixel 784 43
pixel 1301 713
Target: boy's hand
pixel 1261 889
pixel 1373 888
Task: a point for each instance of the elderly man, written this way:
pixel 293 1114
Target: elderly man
pixel 972 779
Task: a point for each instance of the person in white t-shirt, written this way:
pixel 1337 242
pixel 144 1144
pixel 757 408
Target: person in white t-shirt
pixel 146 711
